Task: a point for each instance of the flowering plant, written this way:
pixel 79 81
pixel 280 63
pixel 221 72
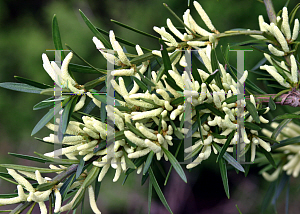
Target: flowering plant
pixel 153 100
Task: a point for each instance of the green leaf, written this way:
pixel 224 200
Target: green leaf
pixel 8 195
pixel 32 82
pixel 119 135
pixel 128 162
pixel 49 102
pixel 253 111
pixel 29 168
pixel 230 159
pixel 280 127
pixel 158 190
pixel 211 108
pixel 45 186
pixel 134 29
pixel 137 163
pixel 223 171
pixel 84 69
pixel 65 187
pixel 92 84
pixel 173 84
pixel 223 150
pixel 293 13
pixel 31 208
pixel 146 80
pixel 175 164
pixel 268 156
pixel 95 31
pixel 99 70
pixel 51 91
pixel 268 197
pixel 238 209
pixel 139 59
pixel 47 117
pixel 135 130
pixel 80 168
pixel 287 116
pixel 159 123
pixel 286 142
pixel 149 196
pixel 177 101
pixel 11 181
pixel 92 176
pixel 166 60
pixel 252 126
pixel 56 36
pixel 140 84
pixel 100 146
pixel 233 98
pixel 169 172
pixel 66 115
pixel 21 87
pixel 194 152
pixel 276 86
pixel 27 157
pixel 272 104
pixel 148 162
pixel 120 40
pixel 215 68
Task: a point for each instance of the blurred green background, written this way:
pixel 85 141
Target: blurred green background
pixel 25 33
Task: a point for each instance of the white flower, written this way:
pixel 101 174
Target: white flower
pixel 295 30
pixel 204 16
pixel 285 24
pixel 166 35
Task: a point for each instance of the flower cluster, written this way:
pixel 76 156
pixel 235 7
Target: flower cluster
pixel 291 152
pixel 285 73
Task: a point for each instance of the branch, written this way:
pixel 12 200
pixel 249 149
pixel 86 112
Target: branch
pixel 270 10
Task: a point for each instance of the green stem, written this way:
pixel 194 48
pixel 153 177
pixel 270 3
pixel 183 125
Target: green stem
pixel 270 10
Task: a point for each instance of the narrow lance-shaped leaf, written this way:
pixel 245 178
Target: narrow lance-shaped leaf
pixel 95 31
pixel 56 160
pixel 158 190
pixel 28 157
pixel 148 162
pixel 56 36
pixel 134 29
pixel 223 171
pixel 252 110
pixel 99 70
pixel 66 115
pixel 120 40
pixel 21 87
pixel 268 156
pixel 29 168
pixel 175 164
pixel 149 196
pixel 286 142
pixel 84 69
pixel 32 82
pixel 223 150
pixel 166 60
pixel 230 159
pixel 280 127
pixel 47 117
pixel 140 84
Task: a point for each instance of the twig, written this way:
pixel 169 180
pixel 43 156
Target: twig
pixel 270 10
